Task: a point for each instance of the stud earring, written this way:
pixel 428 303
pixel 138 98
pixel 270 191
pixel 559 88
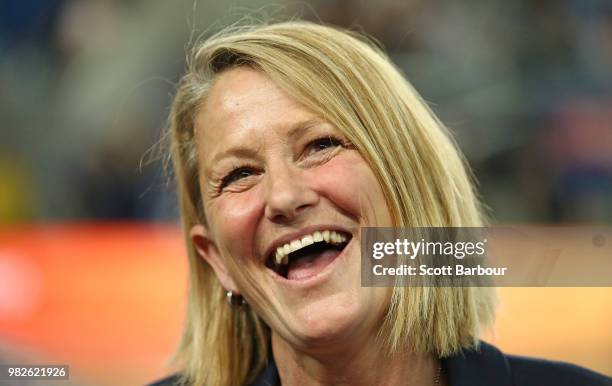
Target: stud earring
pixel 235 300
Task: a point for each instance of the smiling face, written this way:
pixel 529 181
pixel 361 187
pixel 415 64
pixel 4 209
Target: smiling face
pixel 284 195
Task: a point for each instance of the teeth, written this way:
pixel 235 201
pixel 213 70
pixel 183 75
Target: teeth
pixel 281 255
pixel 278 256
pixel 295 245
pixel 307 240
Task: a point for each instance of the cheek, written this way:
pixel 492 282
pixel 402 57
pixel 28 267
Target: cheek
pixel 235 218
pixel 349 183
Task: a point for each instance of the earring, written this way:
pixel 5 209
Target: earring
pixel 235 300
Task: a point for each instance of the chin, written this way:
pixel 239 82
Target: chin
pixel 333 320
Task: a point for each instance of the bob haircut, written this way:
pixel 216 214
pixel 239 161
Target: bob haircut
pixel 351 83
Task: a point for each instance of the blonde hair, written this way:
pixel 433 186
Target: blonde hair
pixel 351 83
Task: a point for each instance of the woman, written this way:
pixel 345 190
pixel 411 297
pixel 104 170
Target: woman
pixel 286 139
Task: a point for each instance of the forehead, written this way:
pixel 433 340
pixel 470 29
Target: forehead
pixel 244 103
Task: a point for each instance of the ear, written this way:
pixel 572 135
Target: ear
pixel 208 251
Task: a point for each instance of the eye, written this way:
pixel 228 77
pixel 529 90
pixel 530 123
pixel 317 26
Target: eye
pixel 324 143
pixel 235 175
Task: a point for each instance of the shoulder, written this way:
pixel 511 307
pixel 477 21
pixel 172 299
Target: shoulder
pixel 487 365
pixel 531 371
pixel 483 366
pixel 172 380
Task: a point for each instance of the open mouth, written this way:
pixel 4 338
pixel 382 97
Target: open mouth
pixel 306 257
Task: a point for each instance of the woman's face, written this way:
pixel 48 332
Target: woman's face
pixel 285 195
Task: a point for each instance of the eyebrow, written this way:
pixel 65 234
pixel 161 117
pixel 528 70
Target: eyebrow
pixel 296 130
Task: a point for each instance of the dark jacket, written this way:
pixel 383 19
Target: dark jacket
pixel 485 366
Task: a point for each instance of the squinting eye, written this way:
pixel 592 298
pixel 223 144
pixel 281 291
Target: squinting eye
pixel 235 175
pixel 324 143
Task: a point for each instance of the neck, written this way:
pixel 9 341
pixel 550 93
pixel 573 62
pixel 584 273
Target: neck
pixel 364 363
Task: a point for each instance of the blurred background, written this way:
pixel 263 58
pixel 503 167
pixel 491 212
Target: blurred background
pixel 92 270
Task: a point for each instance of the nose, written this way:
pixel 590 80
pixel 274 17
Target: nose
pixel 288 193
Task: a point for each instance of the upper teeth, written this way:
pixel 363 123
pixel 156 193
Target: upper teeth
pixel 283 251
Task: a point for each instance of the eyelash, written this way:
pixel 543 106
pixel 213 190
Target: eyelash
pixel 233 175
pixel 328 139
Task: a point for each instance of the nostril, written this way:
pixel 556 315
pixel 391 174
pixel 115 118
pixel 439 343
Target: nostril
pixel 280 218
pixel 302 207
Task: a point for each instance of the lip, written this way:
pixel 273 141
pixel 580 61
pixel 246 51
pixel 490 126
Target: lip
pixel 299 234
pixel 319 277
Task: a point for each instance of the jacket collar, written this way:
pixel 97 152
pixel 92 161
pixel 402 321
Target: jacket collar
pixel 482 366
pixel 269 375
